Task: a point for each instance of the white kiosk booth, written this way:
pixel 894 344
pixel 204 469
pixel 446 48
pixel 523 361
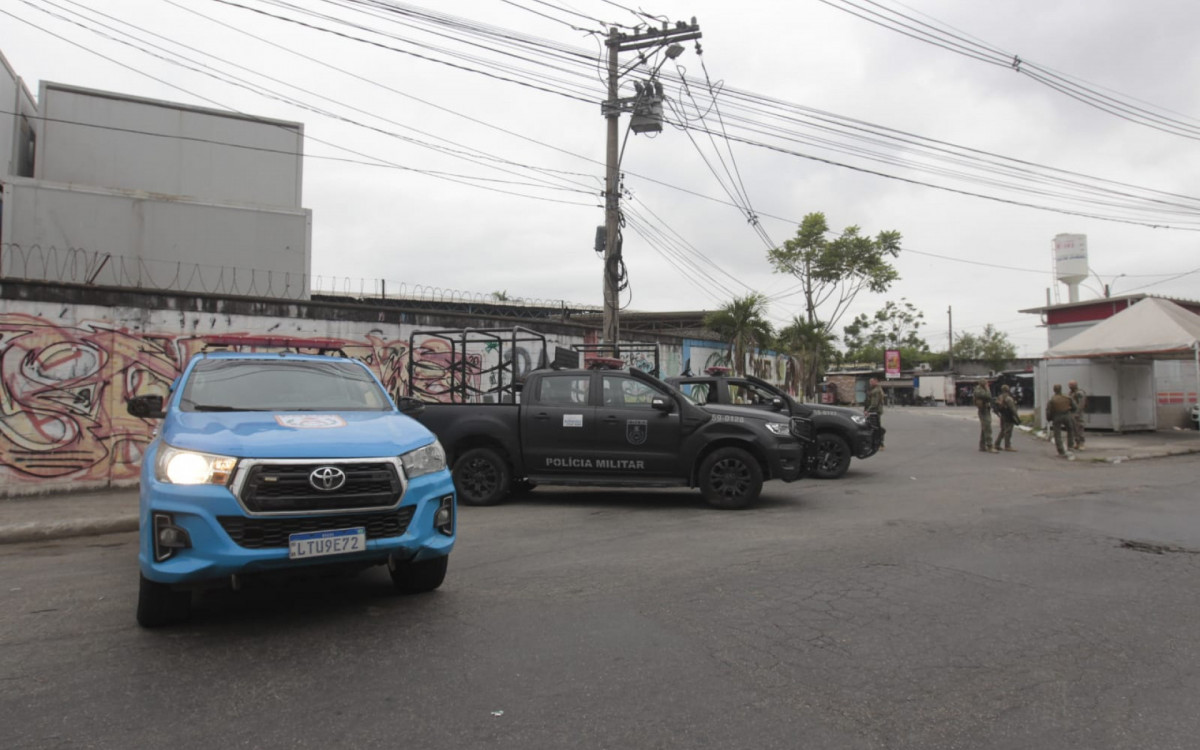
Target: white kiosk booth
pixel 1113 361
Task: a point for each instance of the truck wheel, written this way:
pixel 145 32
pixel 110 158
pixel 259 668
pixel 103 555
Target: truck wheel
pixel 419 577
pixel 481 477
pixel 833 456
pixel 730 479
pixel 159 604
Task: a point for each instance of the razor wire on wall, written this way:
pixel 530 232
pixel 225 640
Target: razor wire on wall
pixel 73 265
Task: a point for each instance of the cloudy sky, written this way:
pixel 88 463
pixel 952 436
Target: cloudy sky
pixel 461 146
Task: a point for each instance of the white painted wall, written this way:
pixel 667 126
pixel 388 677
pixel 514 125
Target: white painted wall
pixel 108 140
pixel 154 241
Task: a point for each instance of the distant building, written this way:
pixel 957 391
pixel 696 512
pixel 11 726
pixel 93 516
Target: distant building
pixel 107 189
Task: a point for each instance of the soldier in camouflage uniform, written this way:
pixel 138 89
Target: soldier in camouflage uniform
pixel 1078 403
pixel 1006 407
pixel 1058 416
pixel 983 402
pixel 874 408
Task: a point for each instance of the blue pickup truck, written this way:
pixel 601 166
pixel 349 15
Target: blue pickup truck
pixel 282 463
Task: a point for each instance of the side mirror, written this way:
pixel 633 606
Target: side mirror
pixel 777 403
pixel 146 407
pixel 660 403
pixel 410 406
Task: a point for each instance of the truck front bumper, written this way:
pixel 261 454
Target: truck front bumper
pixel 790 460
pixel 868 440
pixel 218 539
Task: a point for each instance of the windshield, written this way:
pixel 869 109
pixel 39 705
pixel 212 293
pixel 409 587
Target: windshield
pixel 268 385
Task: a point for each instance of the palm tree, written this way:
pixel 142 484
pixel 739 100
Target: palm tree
pixel 741 323
pixel 811 346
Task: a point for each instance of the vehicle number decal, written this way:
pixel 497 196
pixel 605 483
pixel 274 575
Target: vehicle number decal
pixel 310 421
pixel 636 431
pixel 572 420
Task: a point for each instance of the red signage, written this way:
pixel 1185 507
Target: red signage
pixel 892 363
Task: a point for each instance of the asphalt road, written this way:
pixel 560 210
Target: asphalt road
pixel 936 597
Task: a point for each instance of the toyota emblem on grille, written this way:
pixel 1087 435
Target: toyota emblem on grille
pixel 327 478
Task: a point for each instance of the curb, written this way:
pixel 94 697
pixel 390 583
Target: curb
pixel 34 531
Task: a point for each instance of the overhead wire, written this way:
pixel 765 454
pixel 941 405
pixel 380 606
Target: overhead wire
pixel 947 38
pixel 714 133
pixel 207 70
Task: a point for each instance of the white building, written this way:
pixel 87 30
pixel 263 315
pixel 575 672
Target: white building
pixel 103 188
pixel 1127 393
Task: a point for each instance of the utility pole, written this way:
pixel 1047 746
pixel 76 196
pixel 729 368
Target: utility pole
pixel 950 312
pixel 646 108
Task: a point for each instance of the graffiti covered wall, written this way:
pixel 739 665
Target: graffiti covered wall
pixel 700 355
pixel 67 370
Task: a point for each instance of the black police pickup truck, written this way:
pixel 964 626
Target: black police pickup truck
pixel 841 432
pixel 614 428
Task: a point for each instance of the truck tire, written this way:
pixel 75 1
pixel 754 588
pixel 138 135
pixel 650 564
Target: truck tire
pixel 159 604
pixel 481 477
pixel 419 577
pixel 730 479
pixel 833 456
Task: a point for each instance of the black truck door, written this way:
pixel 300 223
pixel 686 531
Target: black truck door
pixel 558 424
pixel 632 437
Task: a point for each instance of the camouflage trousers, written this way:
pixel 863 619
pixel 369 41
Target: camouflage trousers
pixel 1005 436
pixel 985 431
pixel 1063 423
pixel 1076 430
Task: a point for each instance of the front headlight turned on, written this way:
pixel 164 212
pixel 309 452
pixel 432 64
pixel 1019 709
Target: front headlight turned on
pixel 424 460
pixel 859 420
pixel 178 466
pixel 779 428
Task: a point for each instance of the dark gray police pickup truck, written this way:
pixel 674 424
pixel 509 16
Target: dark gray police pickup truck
pixel 614 428
pixel 841 432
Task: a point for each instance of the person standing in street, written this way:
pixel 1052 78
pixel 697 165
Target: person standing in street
pixel 1006 407
pixel 983 403
pixel 1078 403
pixel 1058 417
pixel 874 408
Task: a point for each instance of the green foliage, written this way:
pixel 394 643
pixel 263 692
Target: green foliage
pixel 831 274
pixel 812 346
pixel 991 346
pixel 500 296
pixel 894 326
pixel 835 270
pixel 742 324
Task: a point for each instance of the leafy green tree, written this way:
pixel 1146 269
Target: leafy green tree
pixel 832 272
pixel 894 326
pixel 991 346
pixel 742 323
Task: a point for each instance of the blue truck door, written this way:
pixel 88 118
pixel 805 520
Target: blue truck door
pixel 557 424
pixel 633 438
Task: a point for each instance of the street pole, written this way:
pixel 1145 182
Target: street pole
pixel 950 313
pixel 648 106
pixel 611 332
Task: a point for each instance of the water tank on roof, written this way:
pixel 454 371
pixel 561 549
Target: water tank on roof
pixel 1071 261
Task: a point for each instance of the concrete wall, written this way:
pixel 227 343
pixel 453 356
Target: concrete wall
pixel 700 354
pixel 70 357
pixel 104 139
pixel 9 86
pixel 17 129
pixel 156 241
